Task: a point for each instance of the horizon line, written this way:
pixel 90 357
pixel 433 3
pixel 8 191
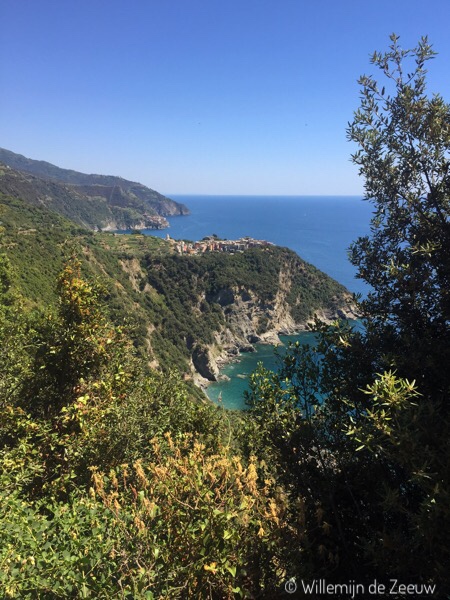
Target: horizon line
pixel 266 195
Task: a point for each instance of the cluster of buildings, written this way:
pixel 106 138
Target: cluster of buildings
pixel 213 244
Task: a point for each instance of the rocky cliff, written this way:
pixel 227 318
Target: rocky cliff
pixel 248 319
pixel 213 306
pixel 185 312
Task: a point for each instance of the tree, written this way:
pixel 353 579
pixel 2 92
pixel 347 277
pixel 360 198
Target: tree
pixel 383 427
pixel 74 347
pixel 404 156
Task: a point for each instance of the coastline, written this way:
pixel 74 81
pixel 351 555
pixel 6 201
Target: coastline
pixel 222 355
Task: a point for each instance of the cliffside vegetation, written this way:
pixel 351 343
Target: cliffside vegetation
pixel 219 293
pixel 117 481
pixel 170 303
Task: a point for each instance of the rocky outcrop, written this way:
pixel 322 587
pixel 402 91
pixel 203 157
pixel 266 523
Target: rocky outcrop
pixel 250 320
pixel 211 307
pixel 204 363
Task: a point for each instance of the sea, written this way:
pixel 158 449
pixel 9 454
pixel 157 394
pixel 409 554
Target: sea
pixel 320 229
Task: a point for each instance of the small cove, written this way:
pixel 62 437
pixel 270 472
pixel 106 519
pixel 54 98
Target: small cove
pixel 319 228
pixel 232 391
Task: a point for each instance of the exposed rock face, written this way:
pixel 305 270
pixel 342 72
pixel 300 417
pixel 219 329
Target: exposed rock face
pixel 250 320
pixel 221 305
pixel 204 363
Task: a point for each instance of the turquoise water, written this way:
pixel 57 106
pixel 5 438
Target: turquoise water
pixel 319 228
pixel 232 391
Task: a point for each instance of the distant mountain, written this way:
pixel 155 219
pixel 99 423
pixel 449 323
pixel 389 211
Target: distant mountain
pixel 95 201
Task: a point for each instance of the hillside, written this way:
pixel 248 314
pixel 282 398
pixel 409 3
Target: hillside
pixel 187 312
pixel 222 303
pixel 120 480
pixel 94 201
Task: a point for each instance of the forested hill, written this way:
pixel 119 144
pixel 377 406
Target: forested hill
pixel 92 200
pixel 184 311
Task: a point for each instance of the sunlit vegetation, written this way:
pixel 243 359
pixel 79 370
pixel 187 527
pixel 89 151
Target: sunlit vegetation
pixel 117 480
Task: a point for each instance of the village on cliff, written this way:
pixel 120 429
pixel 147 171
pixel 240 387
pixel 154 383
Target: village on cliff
pixel 213 244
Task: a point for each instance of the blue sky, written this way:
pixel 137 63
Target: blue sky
pixel 201 96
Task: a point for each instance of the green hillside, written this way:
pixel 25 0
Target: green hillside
pixel 174 304
pixel 94 201
pixel 103 337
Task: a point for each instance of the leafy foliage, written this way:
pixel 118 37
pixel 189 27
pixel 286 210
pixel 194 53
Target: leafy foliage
pixel 372 454
pixel 196 524
pixel 404 156
pixel 118 482
pixel 189 516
